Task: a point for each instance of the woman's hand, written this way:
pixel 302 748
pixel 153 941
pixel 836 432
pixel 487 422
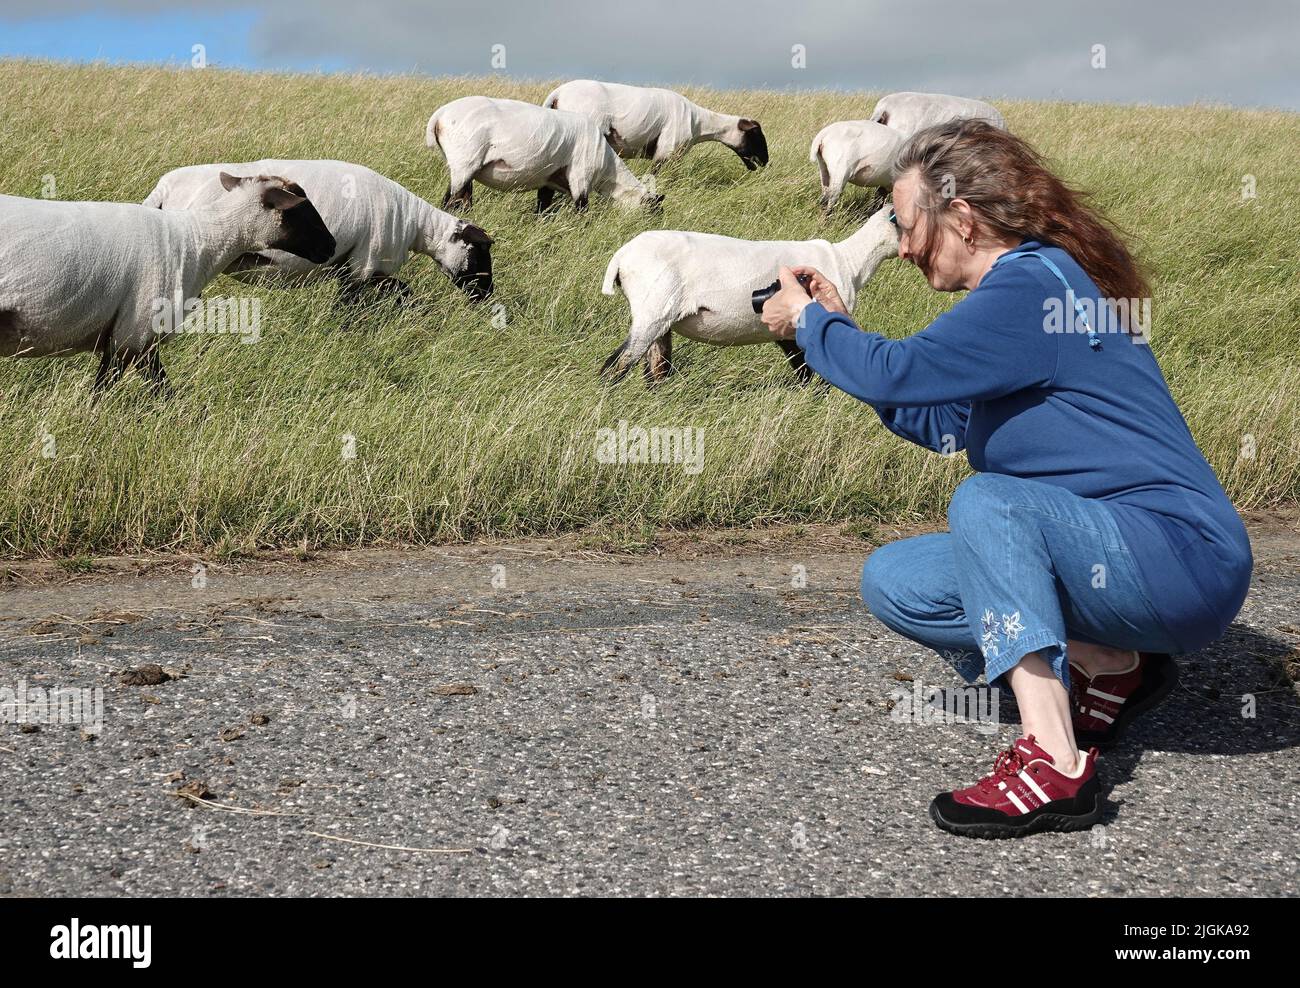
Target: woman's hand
pixel 781 311
pixel 821 289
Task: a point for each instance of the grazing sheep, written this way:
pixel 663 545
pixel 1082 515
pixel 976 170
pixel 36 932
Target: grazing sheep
pixel 659 124
pixel 376 224
pixel 909 112
pixel 700 285
pixel 104 276
pixel 510 145
pixel 858 152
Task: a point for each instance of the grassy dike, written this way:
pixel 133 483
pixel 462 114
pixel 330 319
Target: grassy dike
pixel 465 428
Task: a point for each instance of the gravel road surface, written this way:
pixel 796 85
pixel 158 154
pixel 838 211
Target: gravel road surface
pixel 539 719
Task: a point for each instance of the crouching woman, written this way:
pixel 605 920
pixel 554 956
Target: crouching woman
pixel 1094 542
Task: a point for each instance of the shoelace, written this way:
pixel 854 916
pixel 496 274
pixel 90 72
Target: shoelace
pixel 1008 763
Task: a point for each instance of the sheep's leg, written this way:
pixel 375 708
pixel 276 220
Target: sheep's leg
pixel 353 291
pixel 832 188
pixel 614 364
pixel 794 356
pixel 556 182
pixel 110 369
pixel 660 161
pixel 831 196
pixel 461 200
pixel 659 359
pixel 114 361
pixel 460 191
pixel 578 187
pixel 349 289
pixel 150 365
pixel 615 140
pixel 640 338
pixel 390 286
pixel 349 299
pixel 660 156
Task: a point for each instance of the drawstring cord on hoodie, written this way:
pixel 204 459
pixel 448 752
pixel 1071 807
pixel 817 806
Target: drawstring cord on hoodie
pixel 1094 341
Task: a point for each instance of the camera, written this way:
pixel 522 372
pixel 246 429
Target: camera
pixel 761 295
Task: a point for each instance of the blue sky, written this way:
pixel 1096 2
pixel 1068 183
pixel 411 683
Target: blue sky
pixel 161 37
pixel 1242 53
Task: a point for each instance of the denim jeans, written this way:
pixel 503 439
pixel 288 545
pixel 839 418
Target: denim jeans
pixel 1024 566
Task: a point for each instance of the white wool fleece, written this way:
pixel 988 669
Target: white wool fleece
pixel 909 112
pixel 377 223
pixel 640 115
pixel 856 152
pixel 73 272
pixel 700 284
pixel 511 145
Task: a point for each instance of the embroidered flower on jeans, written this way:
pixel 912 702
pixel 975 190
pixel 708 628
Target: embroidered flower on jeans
pixel 990 626
pixel 1012 626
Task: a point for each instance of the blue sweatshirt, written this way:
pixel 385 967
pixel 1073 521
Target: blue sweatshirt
pixel 988 376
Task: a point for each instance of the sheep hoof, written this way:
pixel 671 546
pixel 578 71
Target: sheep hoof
pixel 616 375
pixel 458 202
pixel 615 368
pixel 545 200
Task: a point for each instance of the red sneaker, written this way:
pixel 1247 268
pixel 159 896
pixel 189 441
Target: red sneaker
pixel 1023 795
pixel 1103 706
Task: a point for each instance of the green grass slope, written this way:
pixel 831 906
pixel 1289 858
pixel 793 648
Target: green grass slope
pixel 464 428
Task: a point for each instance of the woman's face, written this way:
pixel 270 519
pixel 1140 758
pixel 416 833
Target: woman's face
pixel 946 269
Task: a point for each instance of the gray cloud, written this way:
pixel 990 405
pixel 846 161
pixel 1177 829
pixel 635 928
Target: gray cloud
pixel 1164 53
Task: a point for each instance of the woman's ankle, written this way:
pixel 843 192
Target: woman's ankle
pixel 1065 756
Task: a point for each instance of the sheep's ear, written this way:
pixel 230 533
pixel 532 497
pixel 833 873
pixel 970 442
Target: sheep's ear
pixel 749 125
pixel 281 199
pixel 230 182
pixel 472 234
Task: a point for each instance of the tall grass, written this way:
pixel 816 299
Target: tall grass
pixel 463 429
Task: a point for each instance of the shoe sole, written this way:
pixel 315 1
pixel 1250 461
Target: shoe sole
pixel 1045 823
pixel 1168 680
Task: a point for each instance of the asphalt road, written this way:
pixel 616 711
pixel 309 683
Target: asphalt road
pixel 596 725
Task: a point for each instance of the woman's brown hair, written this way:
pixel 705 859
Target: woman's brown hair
pixel 1012 193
